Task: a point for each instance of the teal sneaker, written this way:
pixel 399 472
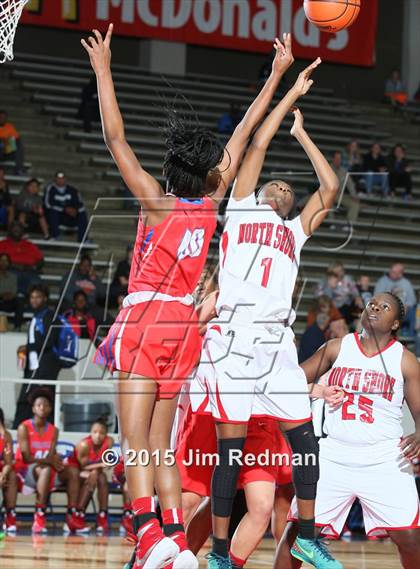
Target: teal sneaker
pixel 214 561
pixel 315 552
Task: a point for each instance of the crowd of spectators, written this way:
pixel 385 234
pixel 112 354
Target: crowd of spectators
pixel 339 301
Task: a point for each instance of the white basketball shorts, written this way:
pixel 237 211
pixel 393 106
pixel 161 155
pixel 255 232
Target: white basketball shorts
pixel 378 475
pixel 248 371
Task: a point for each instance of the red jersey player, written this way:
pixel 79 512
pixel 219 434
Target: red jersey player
pixel 365 455
pixel 8 481
pixel 87 458
pixel 38 464
pixel 155 341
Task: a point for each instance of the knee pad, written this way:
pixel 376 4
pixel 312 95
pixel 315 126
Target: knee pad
pixel 306 473
pixel 225 477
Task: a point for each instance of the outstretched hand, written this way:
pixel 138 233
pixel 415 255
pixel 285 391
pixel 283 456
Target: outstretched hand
pixel 304 81
pixel 284 56
pixel 99 50
pixel 298 124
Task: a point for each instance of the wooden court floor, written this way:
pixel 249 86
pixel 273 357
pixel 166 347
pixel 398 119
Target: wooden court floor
pixel 73 552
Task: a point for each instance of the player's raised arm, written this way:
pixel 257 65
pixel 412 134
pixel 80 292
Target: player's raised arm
pixel 255 113
pixel 323 199
pixel 411 372
pixel 141 184
pixel 252 164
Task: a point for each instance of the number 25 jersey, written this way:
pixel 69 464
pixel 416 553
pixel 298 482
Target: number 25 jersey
pixel 374 386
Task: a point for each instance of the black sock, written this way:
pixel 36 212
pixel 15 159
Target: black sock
pixel 306 528
pixel 141 519
pixel 220 547
pixel 71 510
pixel 170 529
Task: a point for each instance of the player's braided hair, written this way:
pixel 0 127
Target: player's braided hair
pixel 400 306
pixel 191 158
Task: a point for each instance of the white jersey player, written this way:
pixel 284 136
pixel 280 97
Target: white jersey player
pixel 364 455
pixel 249 363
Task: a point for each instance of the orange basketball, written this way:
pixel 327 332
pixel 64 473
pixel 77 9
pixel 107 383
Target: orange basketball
pixel 332 15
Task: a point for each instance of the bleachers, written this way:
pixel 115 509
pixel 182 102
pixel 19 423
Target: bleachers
pixel 51 86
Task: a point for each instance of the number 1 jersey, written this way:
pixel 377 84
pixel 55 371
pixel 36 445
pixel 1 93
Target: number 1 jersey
pixel 259 262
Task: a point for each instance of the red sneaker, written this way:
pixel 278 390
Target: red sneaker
pixel 102 523
pixel 154 550
pixel 186 558
pixel 75 523
pixel 11 526
pixel 40 522
pixel 126 526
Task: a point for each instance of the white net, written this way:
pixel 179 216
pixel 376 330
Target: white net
pixel 10 12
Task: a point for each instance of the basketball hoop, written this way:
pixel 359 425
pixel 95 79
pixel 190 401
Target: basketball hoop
pixel 10 12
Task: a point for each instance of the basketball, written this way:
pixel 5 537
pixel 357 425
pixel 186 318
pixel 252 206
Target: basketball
pixel 332 15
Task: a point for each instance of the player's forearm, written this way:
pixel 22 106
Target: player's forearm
pixel 271 125
pixel 327 179
pixel 112 122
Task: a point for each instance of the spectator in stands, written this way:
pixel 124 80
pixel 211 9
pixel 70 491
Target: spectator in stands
pixel 230 120
pixel 395 91
pixel 313 337
pixel 337 329
pixel 89 105
pixel 79 317
pixel 342 289
pixel 6 204
pixel 365 288
pixel 396 283
pixel 84 278
pixel 64 206
pixel 119 284
pixel 25 257
pixel 9 299
pixel 349 198
pixel 374 162
pixel 352 161
pixel 38 464
pixel 323 305
pixel 87 458
pixel 322 326
pixel 399 171
pixel 29 208
pixel 8 480
pixel 11 146
pixel 38 357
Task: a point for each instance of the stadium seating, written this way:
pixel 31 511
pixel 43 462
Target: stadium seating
pixel 43 98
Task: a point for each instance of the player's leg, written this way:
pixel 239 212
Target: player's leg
pixel 305 472
pixel 70 477
pixel 230 441
pixel 103 495
pixel 42 477
pixel 190 503
pixel 167 480
pixel 283 558
pixel 282 500
pixel 260 501
pixel 408 543
pixel 199 528
pixel 10 497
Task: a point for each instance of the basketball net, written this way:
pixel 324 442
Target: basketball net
pixel 10 12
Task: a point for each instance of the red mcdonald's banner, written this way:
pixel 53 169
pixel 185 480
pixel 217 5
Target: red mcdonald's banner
pixel 246 25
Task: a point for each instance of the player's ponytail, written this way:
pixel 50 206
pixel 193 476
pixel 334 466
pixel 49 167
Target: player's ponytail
pixel 400 311
pixel 193 153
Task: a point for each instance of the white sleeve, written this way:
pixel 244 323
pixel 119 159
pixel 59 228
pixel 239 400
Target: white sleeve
pixel 237 208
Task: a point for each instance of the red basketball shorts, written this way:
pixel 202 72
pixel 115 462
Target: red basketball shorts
pixel 197 451
pixel 155 339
